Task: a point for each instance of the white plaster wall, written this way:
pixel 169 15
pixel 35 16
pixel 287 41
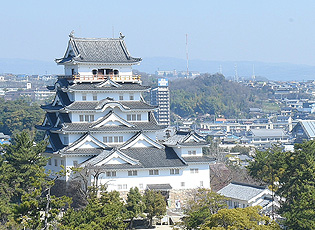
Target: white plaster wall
pixel 184 152
pixel 103 95
pixel 87 69
pixel 143 178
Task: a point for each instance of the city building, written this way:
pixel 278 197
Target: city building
pixel 160 96
pixel 99 121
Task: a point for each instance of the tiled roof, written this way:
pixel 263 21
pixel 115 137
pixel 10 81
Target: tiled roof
pixel 153 157
pixel 64 98
pixel 96 86
pixel 181 136
pixel 159 187
pixel 99 50
pixel 268 133
pixel 241 191
pixel 85 151
pixel 51 107
pixel 96 105
pixel 199 159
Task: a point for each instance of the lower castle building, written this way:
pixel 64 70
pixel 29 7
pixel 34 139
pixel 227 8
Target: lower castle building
pixel 99 121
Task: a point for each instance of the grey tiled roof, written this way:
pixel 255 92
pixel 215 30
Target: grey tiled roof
pixel 89 151
pixel 97 105
pixel 99 50
pixel 241 191
pixel 153 157
pixel 159 187
pixel 147 157
pixel 95 86
pixel 268 133
pixel 180 137
pixel 199 159
pixel 51 107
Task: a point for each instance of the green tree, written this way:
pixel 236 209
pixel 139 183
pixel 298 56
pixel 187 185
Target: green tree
pixel 155 205
pixel 239 218
pixel 106 212
pixel 203 204
pixel 135 205
pixel 294 172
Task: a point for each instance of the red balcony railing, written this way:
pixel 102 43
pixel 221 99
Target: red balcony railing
pixel 97 77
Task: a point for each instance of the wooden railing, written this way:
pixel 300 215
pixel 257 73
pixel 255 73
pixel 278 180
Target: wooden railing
pixel 97 77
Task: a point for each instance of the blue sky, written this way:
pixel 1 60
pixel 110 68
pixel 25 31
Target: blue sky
pixel 223 30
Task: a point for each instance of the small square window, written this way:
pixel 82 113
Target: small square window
pixel 94 97
pixel 83 97
pixel 182 184
pixel 91 117
pixel 121 97
pixel 133 117
pixel 49 161
pixel 124 186
pixel 131 97
pixel 87 117
pixel 128 117
pixel 62 162
pixel 81 118
pixel 56 162
pixel 116 139
pixel 110 139
pixel 121 139
pixel 105 139
pixel 119 186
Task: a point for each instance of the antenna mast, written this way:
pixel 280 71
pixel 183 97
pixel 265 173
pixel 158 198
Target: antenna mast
pixel 187 55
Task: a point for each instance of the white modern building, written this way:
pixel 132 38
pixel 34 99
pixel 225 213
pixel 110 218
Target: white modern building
pixel 160 96
pixel 99 120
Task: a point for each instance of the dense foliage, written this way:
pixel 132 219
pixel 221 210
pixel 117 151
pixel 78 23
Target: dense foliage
pixel 212 94
pixel 291 175
pixel 25 187
pixel 19 115
pixel 239 218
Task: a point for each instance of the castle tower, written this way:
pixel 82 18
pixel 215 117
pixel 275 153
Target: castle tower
pixel 100 121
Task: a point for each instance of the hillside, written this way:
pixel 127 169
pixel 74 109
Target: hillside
pixel 212 94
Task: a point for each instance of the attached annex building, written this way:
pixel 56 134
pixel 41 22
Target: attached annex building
pixel 99 120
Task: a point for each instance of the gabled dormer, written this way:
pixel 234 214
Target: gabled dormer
pixel 140 140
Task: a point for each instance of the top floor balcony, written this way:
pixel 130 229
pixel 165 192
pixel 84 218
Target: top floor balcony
pixel 100 77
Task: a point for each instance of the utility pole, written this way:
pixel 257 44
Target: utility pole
pixel 187 55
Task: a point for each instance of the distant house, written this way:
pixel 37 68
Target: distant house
pixel 304 131
pixel 4 139
pixel 244 195
pixel 265 137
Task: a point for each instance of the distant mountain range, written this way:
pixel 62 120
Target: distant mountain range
pixel 271 71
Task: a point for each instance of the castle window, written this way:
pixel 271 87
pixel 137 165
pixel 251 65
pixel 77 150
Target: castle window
pixel 121 97
pixel 154 172
pixel 65 140
pixel 62 162
pixel 91 117
pixel 194 170
pixel 75 163
pixel 182 184
pixel 81 118
pixel 111 174
pixel 94 97
pixel 94 71
pixel 174 171
pixel 131 97
pixel 138 117
pixel 110 139
pixel 133 173
pixel 128 117
pixel 56 162
pixel 105 139
pixel 83 97
pixel 49 161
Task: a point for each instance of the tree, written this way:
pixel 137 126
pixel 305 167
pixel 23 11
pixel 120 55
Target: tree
pixel 294 173
pixel 105 212
pixel 203 204
pixel 239 218
pixel 135 205
pixel 155 205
